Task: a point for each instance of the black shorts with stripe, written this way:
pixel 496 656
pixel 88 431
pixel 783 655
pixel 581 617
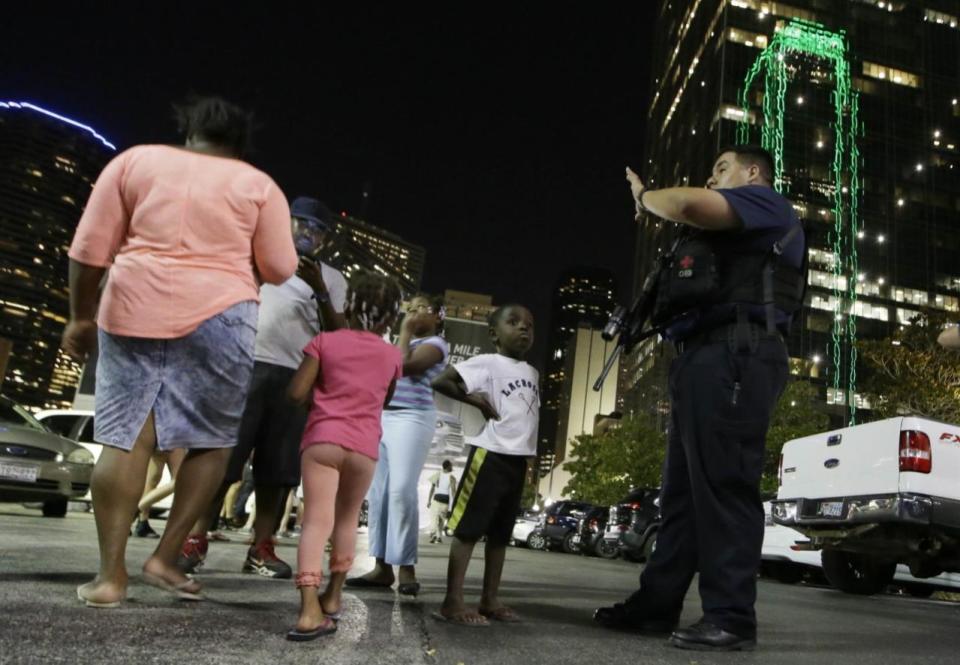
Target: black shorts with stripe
pixel 488 497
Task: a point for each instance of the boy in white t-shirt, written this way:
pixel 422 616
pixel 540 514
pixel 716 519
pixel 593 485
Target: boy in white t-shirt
pixel 506 390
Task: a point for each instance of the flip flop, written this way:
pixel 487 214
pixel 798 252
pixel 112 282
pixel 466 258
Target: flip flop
pixel 409 589
pixel 504 614
pixel 100 606
pixel 178 590
pixel 328 627
pixel 457 620
pixel 364 583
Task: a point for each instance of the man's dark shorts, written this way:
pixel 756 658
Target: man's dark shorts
pixel 271 429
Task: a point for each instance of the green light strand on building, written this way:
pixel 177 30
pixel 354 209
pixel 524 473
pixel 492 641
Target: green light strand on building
pixel 803 38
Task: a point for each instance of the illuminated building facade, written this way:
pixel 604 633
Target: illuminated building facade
pixel 582 296
pixel 359 244
pixel 48 164
pixel 899 189
pixel 467 305
pixel 580 404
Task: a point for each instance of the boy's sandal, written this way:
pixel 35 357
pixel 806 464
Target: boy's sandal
pixel 460 619
pixel 328 627
pixel 504 614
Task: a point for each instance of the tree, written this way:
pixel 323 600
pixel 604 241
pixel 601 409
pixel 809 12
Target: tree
pixel 910 374
pixel 798 413
pixel 606 466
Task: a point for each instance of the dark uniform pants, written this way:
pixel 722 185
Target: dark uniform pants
pixel 712 514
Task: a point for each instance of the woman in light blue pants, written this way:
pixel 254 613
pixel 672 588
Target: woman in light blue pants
pixel 409 423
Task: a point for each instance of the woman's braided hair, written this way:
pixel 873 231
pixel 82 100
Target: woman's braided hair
pixel 373 298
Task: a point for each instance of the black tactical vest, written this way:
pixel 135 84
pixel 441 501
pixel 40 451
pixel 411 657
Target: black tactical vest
pixel 707 269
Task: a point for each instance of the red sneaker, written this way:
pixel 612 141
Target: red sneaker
pixel 263 560
pixel 193 554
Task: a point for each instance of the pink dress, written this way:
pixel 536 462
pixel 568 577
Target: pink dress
pixel 356 370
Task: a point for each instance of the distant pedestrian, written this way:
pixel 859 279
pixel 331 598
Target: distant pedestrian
pixel 506 391
pixel 443 485
pixel 349 375
pixel 188 234
pixel 409 423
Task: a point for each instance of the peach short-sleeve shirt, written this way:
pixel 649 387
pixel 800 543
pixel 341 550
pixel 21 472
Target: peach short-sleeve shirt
pixel 185 235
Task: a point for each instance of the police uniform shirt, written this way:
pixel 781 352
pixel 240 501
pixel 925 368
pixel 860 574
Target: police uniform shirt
pixel 766 218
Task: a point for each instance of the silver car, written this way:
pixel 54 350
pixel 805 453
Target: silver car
pixel 37 465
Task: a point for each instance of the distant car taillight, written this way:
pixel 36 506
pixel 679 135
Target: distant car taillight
pixel 551 520
pixel 593 524
pixel 915 453
pixel 634 506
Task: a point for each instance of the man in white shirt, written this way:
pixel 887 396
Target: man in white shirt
pixel 291 314
pixel 443 485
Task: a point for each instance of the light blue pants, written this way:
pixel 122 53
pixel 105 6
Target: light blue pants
pixel 393 517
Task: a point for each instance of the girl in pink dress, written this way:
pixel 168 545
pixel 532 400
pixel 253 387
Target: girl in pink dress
pixel 349 374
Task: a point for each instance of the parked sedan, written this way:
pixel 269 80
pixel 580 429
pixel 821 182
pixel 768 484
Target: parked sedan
pixel 527 531
pixel 77 425
pixel 38 465
pixel 560 524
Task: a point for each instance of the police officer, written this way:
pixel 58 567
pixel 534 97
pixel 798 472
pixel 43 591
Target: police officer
pixel 725 299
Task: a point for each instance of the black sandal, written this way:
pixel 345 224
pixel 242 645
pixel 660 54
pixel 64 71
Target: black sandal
pixel 328 627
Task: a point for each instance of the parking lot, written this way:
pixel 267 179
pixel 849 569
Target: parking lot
pixel 244 619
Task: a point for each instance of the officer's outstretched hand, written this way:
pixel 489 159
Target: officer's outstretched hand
pixel 636 188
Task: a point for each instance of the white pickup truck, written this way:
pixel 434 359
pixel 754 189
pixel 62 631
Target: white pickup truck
pixel 873 496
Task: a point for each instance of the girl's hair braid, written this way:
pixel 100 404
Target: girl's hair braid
pixel 373 298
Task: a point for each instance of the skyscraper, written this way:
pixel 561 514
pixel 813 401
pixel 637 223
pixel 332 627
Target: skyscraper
pixel 870 155
pixel 359 244
pixel 48 166
pixel 582 295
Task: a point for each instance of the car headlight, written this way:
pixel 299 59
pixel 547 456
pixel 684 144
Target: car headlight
pixel 80 456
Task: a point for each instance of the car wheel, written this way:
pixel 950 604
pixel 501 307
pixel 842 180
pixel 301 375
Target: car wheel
pixel 569 545
pixel 649 546
pixel 536 541
pixel 856 573
pixel 55 508
pixel 606 549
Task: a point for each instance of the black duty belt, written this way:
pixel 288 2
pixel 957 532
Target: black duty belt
pixel 749 336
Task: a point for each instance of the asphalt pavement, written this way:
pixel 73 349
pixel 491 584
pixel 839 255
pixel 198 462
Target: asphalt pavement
pixel 245 618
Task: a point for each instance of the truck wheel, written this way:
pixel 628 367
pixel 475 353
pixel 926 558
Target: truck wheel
pixel 606 549
pixel 55 508
pixel 856 573
pixel 568 545
pixel 536 541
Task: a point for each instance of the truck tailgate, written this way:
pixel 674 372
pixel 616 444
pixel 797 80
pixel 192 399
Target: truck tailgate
pixel 853 461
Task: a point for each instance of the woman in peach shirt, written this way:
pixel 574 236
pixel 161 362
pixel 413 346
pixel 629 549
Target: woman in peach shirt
pixel 188 234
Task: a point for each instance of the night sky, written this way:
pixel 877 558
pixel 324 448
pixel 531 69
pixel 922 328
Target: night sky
pixel 495 135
